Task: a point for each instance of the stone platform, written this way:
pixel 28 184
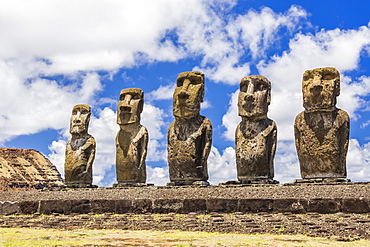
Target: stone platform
pixel 293 198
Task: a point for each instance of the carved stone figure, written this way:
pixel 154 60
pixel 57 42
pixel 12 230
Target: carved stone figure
pixel 132 138
pixel 80 150
pixel 322 130
pixel 190 134
pixel 255 136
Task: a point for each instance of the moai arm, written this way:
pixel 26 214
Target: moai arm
pixel 89 146
pixel 345 133
pixel 142 139
pixel 208 140
pixel 273 148
pixel 297 131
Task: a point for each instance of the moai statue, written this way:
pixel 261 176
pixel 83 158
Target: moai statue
pixel 132 138
pixel 322 130
pixel 190 134
pixel 80 150
pixel 255 136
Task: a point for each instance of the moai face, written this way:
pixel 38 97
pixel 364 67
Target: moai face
pixel 254 96
pixel 130 106
pixel 320 88
pixel 80 119
pixel 188 94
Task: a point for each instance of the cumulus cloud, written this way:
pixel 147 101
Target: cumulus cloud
pixel 221 166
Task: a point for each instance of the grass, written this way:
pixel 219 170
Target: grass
pixel 81 237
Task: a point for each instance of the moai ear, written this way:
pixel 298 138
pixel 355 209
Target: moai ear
pixel 141 104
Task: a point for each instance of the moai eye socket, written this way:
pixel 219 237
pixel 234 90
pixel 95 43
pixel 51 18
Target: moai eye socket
pixel 329 76
pixel 307 76
pixel 260 86
pixel 84 112
pixel 180 82
pixel 135 97
pixel 74 112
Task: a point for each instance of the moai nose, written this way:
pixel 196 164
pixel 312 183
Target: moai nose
pixel 127 99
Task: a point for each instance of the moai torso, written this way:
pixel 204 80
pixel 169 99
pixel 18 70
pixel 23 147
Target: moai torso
pixel 322 130
pixel 190 134
pixel 132 138
pixel 80 149
pixel 255 136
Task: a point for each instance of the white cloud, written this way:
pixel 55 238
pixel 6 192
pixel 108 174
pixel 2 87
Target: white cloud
pixel 231 119
pixel 162 93
pixel 158 176
pixel 221 167
pixel 30 106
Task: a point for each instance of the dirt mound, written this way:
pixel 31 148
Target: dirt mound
pixel 26 169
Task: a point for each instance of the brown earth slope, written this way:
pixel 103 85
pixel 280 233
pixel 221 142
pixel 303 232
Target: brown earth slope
pixel 26 169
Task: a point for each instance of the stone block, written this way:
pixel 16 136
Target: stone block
pixel 7 208
pixel 29 207
pixel 52 206
pixel 141 206
pixel 75 206
pixel 324 206
pixel 194 205
pixel 164 206
pixel 297 206
pixel 355 205
pixel 255 205
pixel 103 206
pixel 123 206
pixel 222 205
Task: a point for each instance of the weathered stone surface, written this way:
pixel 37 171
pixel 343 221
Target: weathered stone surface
pixel 142 206
pixel 80 149
pixel 190 134
pixel 194 205
pixel 355 205
pixel 164 206
pixel 26 169
pixel 324 206
pixel 222 205
pixel 322 130
pixel 255 136
pixel 103 206
pixel 132 138
pixel 123 206
pixel 7 208
pixel 297 206
pixel 255 205
pixel 52 206
pixel 28 207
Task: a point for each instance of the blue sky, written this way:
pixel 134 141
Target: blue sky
pixel 56 54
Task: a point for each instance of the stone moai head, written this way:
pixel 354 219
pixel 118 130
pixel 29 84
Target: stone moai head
pixel 80 119
pixel 254 96
pixel 130 106
pixel 188 94
pixel 320 88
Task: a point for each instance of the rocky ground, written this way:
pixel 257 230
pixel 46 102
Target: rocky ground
pixel 340 226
